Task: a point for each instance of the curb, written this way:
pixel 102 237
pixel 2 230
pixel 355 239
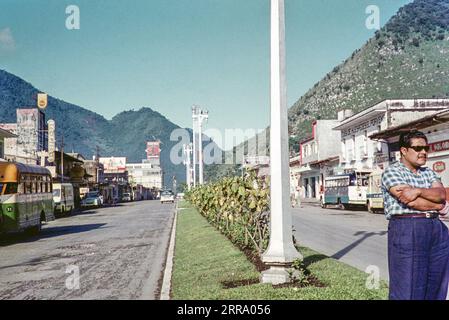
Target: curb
pixel 166 283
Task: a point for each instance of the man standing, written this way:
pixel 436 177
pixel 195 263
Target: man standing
pixel 418 242
pixel 298 196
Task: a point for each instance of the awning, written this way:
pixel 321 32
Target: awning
pixel 6 134
pixel 66 157
pixel 437 118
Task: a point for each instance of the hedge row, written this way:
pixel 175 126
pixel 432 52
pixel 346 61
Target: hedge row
pixel 238 207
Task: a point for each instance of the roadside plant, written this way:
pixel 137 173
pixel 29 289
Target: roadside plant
pixel 238 207
pixel 298 272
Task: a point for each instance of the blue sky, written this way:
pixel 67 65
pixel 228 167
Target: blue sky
pixel 171 54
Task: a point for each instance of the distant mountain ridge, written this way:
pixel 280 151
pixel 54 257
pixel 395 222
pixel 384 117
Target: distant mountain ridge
pixel 125 135
pixel 407 58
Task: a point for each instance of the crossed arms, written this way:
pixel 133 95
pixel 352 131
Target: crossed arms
pixel 420 198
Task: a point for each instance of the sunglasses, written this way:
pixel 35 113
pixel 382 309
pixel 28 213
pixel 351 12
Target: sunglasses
pixel 420 148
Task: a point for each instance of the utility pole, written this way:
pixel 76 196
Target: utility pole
pixel 174 185
pixel 97 164
pixel 194 112
pixel 62 158
pixel 200 116
pixel 187 149
pixel 281 252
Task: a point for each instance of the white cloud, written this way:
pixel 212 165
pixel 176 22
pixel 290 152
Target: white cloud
pixel 6 40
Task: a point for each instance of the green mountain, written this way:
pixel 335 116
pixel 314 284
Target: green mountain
pixel 407 58
pixel 83 130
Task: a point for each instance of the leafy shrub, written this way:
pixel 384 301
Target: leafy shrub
pixel 238 207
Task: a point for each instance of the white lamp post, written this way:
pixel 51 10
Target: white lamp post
pixel 187 152
pixel 281 252
pixel 204 115
pixel 194 118
pixel 200 116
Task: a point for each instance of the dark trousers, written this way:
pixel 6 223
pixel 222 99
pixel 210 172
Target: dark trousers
pixel 418 259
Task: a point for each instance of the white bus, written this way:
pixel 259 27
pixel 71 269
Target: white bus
pixel 63 197
pixel 346 190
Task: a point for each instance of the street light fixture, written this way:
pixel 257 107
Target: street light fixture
pixel 198 116
pixel 187 150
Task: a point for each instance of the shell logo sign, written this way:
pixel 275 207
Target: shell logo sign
pixel 439 167
pixel 41 100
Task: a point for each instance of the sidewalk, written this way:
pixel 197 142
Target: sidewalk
pixel 310 202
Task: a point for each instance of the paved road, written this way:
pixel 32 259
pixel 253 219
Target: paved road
pixel 120 252
pixel 357 238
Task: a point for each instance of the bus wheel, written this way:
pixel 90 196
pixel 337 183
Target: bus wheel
pixel 343 206
pixel 33 231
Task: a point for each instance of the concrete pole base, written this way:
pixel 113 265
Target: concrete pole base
pixel 276 275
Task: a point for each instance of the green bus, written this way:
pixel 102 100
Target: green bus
pixel 26 198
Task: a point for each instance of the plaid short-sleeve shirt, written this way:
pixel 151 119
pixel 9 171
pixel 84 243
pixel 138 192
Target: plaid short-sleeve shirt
pixel 399 174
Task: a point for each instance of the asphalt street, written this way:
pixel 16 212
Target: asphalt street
pixel 355 237
pixel 118 252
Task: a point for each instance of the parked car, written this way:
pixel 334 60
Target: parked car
pixel 63 198
pixel 180 196
pixel 98 194
pixel 92 199
pixel 126 197
pixel 167 196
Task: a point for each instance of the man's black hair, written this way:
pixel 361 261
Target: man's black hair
pixel 405 139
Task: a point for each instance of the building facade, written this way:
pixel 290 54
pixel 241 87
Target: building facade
pixel 95 170
pixel 260 164
pixel 317 158
pixel 436 128
pixel 358 150
pixel 31 136
pixel 145 174
pixel 4 134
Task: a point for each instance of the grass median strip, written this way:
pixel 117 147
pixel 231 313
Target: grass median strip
pixel 206 262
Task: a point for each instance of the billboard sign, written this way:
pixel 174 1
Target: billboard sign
pixel 28 132
pixel 153 149
pixel 51 141
pixel 42 100
pixel 113 164
pixel 439 146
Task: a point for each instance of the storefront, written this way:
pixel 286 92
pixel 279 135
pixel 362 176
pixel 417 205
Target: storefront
pixel 310 182
pixel 436 129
